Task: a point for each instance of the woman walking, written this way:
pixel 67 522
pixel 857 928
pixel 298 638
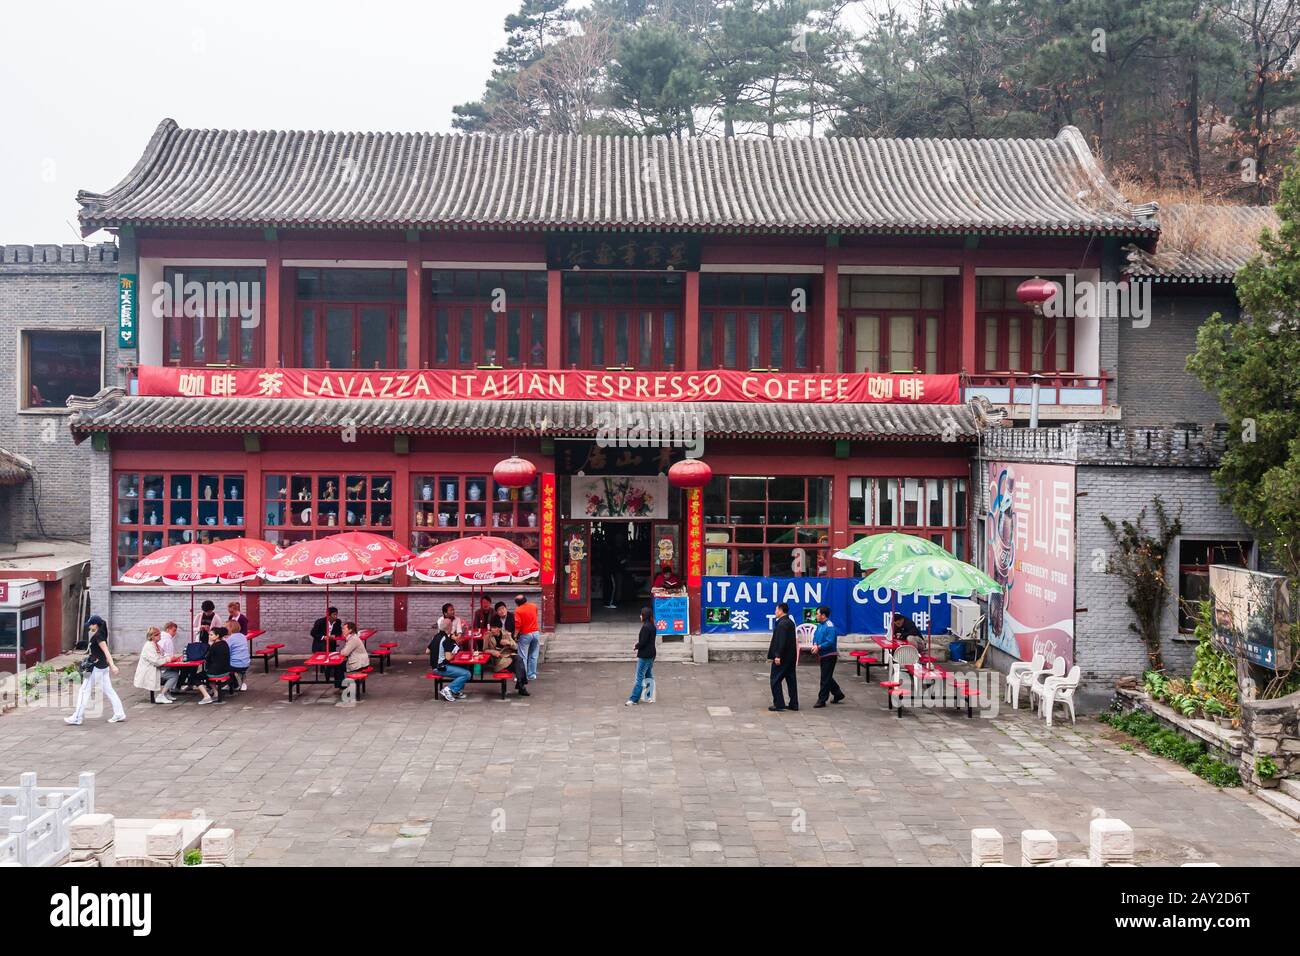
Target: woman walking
pixel 100 659
pixel 645 661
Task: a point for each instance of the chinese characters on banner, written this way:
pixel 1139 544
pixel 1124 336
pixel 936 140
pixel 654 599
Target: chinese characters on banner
pixel 626 251
pixel 694 536
pixel 721 385
pixel 1030 534
pixel 548 529
pixel 127 304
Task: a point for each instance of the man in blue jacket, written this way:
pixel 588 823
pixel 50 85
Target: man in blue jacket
pixel 826 647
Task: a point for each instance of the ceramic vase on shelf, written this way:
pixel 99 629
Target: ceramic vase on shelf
pixel 426 491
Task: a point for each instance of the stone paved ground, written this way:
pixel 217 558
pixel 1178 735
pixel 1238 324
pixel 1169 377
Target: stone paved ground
pixel 571 776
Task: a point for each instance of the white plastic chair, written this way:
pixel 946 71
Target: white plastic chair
pixel 803 638
pixel 903 656
pixel 1021 674
pixel 1059 690
pixel 1041 679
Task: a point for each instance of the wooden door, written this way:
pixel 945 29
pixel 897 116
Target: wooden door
pixel 575 572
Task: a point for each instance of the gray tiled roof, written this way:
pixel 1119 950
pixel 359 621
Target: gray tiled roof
pixel 111 411
pixel 14 470
pixel 414 180
pixel 1202 243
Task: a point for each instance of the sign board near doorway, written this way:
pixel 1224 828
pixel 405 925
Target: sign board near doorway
pixel 619 496
pixel 746 604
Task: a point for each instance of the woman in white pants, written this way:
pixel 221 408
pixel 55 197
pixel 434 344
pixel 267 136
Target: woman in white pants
pixel 102 660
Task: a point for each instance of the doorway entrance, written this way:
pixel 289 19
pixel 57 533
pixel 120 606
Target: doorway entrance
pixel 609 565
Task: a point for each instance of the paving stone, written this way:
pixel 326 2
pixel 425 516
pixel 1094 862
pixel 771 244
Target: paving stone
pixel 704 778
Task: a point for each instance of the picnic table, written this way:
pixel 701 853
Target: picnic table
pixel 474 660
pixel 177 663
pixel 319 660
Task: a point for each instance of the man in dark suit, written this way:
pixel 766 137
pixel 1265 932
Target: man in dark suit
pixel 325 627
pixel 782 653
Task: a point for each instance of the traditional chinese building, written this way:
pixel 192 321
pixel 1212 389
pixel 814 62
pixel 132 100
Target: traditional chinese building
pixel 324 331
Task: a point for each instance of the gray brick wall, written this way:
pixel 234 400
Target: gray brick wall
pixel 1105 646
pixel 72 286
pixel 1154 384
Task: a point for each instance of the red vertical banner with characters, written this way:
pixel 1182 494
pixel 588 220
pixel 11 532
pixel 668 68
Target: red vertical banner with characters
pixel 694 537
pixel 547 539
pixel 1030 527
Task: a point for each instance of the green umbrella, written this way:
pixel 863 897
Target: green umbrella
pixel 879 550
pixel 932 575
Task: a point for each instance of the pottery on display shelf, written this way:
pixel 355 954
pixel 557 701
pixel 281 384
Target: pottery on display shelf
pixel 475 492
pixel 426 492
pixel 233 493
pixel 528 493
pixel 532 519
pixel 449 491
pixel 503 493
pixel 444 519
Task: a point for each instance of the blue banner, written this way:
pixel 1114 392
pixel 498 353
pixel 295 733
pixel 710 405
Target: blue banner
pixel 672 615
pixel 747 604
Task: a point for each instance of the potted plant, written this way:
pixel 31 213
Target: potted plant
pixel 1266 772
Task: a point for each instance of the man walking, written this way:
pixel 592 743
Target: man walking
pixel 528 632
pixel 782 653
pixel 826 647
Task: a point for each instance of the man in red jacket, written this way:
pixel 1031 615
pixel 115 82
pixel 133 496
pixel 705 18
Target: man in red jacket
pixel 528 632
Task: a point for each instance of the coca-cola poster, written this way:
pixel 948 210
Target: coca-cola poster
pixel 1031 548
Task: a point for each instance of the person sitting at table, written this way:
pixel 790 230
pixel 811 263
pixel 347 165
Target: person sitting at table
pixel 327 626
pixel 506 616
pixel 449 621
pixel 500 646
pixel 233 613
pixel 205 619
pixel 353 652
pixel 906 630
pixel 667 579
pixel 216 664
pixel 483 616
pixel 441 649
pixel 170 676
pixel 148 671
pixel 241 655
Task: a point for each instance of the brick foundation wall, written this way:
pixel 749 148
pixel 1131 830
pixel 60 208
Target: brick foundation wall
pixel 52 287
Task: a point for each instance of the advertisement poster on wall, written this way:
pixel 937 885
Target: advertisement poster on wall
pixel 744 604
pixel 1030 534
pixel 1253 615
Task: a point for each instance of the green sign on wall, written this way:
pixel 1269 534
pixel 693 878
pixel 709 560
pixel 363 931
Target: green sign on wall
pixel 127 305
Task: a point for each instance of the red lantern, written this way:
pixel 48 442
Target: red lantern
pixel 690 473
pixel 1034 292
pixel 514 472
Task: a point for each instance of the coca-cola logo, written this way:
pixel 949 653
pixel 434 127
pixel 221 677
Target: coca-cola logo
pixel 324 559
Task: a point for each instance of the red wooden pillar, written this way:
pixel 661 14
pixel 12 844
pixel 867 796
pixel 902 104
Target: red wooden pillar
pixel 840 518
pixel 691 323
pixel 414 306
pixel 274 276
pixel 554 318
pixel 967 363
pixel 546 547
pixel 829 360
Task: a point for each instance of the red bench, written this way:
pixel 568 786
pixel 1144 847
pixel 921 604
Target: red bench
pixel 266 654
pixel 501 677
pixel 220 683
pixel 865 659
pixel 358 678
pixel 894 690
pixel 383 653
pixel 292 678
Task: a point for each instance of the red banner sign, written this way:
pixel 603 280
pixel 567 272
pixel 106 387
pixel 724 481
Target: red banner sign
pixel 548 529
pixel 551 385
pixel 694 537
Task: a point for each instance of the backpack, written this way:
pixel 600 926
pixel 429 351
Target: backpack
pixel 196 651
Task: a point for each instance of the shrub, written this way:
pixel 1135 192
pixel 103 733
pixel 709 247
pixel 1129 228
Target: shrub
pixel 1163 742
pixel 193 857
pixel 1265 767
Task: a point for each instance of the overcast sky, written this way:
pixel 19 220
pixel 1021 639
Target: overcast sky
pixel 86 83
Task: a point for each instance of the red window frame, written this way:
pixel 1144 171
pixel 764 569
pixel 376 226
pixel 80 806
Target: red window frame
pixel 317 311
pixel 284 507
pixel 813 538
pixel 181 331
pixel 446 343
pixel 501 515
pixel 131 512
pixel 1024 360
pixel 920 319
pixel 865 519
pixel 717 325
pixel 596 337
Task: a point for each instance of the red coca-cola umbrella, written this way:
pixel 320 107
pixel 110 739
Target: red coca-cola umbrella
pixel 190 565
pixel 480 559
pixel 253 550
pixel 378 545
pixel 328 561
